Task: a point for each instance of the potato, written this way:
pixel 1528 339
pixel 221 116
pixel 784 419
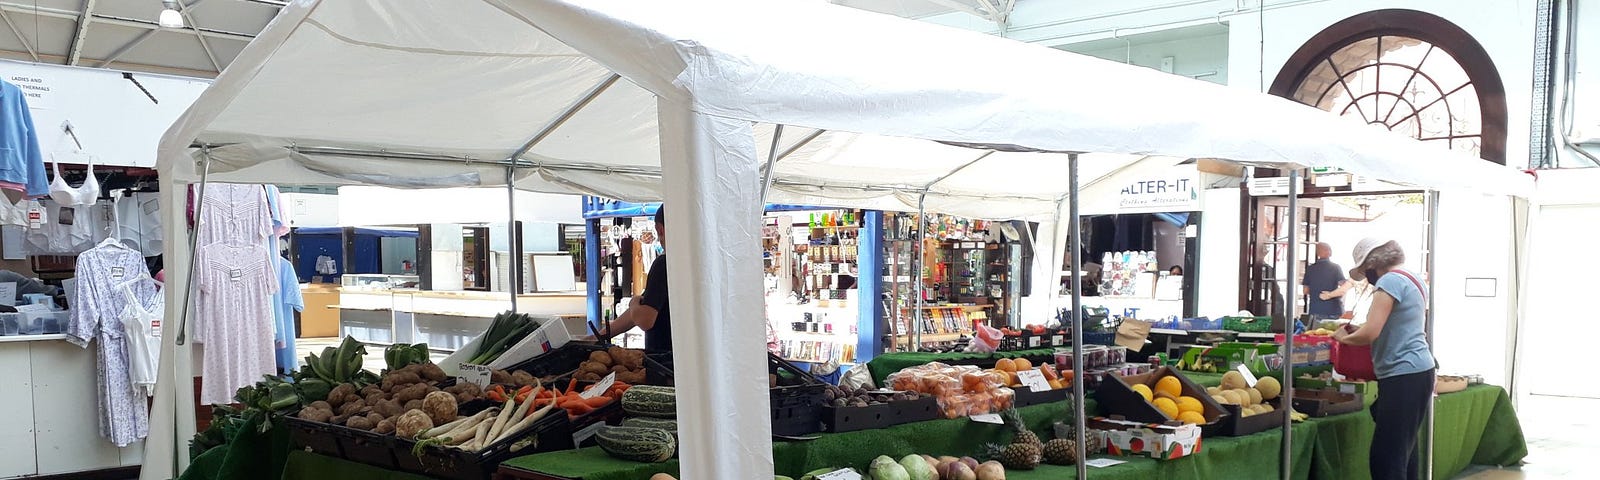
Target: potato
pixel 601 357
pixel 384 427
pixel 521 378
pixel 336 397
pixel 432 372
pixel 350 408
pixel 360 423
pixel 499 376
pixel 315 414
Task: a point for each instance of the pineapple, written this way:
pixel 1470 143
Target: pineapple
pixel 1022 435
pixel 1060 451
pixel 1016 456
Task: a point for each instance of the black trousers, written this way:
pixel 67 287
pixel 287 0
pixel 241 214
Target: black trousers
pixel 1398 411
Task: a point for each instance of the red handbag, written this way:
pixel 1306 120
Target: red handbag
pixel 1355 361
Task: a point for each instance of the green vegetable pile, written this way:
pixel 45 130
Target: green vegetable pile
pixel 336 365
pixel 399 355
pixel 274 397
pixel 506 331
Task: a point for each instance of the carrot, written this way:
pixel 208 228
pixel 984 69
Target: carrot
pixel 597 402
pixel 522 393
pixel 571 385
pixel 578 409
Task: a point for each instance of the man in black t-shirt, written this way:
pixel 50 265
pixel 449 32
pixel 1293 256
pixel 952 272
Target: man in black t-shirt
pixel 650 310
pixel 1325 284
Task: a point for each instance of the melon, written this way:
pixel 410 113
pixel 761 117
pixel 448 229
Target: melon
pixel 1193 418
pixel 1190 404
pixel 1169 385
pixel 1143 391
pixel 1167 407
pixel 1233 380
pixel 1269 387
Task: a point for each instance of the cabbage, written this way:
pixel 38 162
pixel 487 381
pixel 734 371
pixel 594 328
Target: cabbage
pixel 885 468
pixel 918 468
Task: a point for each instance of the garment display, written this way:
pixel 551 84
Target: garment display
pixel 326 265
pixel 284 303
pixel 280 221
pixel 234 214
pixel 64 231
pixel 15 213
pixel 139 222
pixel 67 195
pixel 237 283
pixel 141 324
pixel 21 164
pixel 97 316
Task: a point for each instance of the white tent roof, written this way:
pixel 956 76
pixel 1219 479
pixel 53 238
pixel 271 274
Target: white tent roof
pixel 482 80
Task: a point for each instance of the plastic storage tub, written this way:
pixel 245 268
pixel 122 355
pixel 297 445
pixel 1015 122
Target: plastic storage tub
pixel 44 323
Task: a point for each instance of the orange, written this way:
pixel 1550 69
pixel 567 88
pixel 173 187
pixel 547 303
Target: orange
pixel 1005 365
pixel 1021 364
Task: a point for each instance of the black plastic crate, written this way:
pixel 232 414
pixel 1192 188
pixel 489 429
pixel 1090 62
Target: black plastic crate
pixel 1026 397
pixel 339 441
pixel 317 437
pixel 851 419
pixel 1237 425
pixel 797 400
pixel 560 361
pixel 1322 403
pixel 554 432
pixel 658 369
pixel 919 410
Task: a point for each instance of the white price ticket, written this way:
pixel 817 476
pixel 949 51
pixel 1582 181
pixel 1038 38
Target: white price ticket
pixel 475 374
pixel 1034 380
pixel 988 418
pixel 841 474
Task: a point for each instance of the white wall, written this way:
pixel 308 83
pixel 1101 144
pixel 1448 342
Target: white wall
pixel 1218 287
pixel 1203 56
pixel 364 205
pixel 311 209
pixel 115 121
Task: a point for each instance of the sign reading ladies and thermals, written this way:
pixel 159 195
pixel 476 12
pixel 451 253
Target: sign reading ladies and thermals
pixel 1177 190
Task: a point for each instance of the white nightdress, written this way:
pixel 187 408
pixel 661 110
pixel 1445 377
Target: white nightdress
pixel 236 287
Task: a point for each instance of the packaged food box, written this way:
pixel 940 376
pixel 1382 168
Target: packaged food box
pixel 1137 439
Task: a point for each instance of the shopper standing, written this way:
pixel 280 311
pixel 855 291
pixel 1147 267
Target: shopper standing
pixel 1401 357
pixel 650 310
pixel 1325 283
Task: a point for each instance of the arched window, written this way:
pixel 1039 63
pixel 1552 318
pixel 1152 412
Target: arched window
pixel 1408 71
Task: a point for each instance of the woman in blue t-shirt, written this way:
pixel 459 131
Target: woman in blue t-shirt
pixel 1401 357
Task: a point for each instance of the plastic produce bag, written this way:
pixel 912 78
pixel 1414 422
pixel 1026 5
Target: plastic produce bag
pixel 858 376
pixel 985 339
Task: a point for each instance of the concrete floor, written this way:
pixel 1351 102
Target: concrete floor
pixel 1561 441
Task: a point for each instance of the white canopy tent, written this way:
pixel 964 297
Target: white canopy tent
pixel 669 100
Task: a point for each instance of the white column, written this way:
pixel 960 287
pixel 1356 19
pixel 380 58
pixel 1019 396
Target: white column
pixel 166 450
pixel 711 184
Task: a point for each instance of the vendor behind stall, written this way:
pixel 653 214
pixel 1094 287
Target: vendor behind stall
pixel 650 311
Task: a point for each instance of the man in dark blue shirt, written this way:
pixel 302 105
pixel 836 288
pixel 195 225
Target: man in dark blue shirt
pixel 650 310
pixel 1322 283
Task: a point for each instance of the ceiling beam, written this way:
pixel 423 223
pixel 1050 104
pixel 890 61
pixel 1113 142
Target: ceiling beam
pixel 31 52
pixel 127 47
pixel 47 12
pixel 78 38
pixel 193 27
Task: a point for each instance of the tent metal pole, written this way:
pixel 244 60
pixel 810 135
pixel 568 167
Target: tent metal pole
pixel 566 115
pixel 1430 264
pixel 797 145
pixel 914 332
pixel 772 158
pixel 1074 232
pixel 194 237
pixel 513 236
pixel 1286 463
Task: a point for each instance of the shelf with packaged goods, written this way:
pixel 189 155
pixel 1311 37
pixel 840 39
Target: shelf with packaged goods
pixel 936 337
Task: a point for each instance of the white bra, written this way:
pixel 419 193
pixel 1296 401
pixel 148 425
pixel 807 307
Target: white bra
pixel 69 196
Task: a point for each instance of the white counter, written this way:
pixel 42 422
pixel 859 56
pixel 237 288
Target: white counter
pixel 49 422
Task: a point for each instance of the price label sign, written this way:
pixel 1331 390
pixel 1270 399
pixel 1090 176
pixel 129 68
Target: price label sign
pixel 600 387
pixel 841 474
pixel 988 418
pixel 586 433
pixel 1103 462
pixel 1249 378
pixel 1033 341
pixel 475 374
pixel 1034 380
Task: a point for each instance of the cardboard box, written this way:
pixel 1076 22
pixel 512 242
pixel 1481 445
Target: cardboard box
pixel 1157 441
pixel 551 334
pixel 1116 395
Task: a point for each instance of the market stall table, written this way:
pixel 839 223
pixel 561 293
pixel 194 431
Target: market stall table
pixel 883 365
